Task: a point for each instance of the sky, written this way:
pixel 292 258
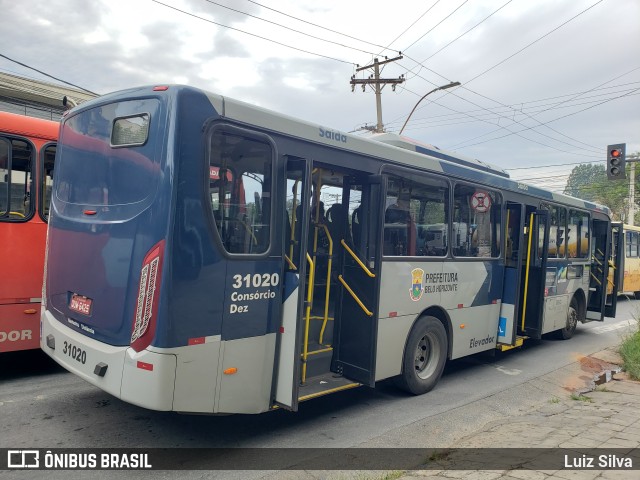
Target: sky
pixel 545 84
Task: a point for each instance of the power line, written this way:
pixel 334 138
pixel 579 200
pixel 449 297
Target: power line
pixel 385 48
pixel 504 60
pixel 512 108
pixel 448 16
pixel 288 28
pixel 576 96
pixel 414 22
pixel 461 119
pixel 550 121
pixel 554 165
pixel 533 43
pixel 436 25
pixel 251 34
pixel 47 75
pixel 316 25
pixel 505 128
pixel 463 34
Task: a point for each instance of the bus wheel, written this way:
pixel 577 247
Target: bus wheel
pixel 424 356
pixel 572 321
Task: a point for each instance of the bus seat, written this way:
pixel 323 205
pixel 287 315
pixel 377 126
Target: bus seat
pixel 336 224
pixel 356 227
pixel 336 220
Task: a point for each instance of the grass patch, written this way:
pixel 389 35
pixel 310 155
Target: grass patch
pixel 581 398
pixel 630 353
pixel 554 400
pixel 602 388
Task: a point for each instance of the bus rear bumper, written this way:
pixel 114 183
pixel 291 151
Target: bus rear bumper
pixel 142 378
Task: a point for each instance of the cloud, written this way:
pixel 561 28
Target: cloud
pixel 106 46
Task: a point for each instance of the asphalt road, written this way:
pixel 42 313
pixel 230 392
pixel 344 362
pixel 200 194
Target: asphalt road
pixel 43 406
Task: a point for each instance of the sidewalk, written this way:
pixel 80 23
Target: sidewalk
pixel 585 416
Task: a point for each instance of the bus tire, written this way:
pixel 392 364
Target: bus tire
pixel 572 321
pixel 636 295
pixel 424 356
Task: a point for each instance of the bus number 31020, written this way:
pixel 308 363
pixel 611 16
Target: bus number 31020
pixel 74 352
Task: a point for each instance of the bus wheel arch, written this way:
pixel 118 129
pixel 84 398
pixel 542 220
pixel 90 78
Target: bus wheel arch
pixel 581 300
pixel 576 312
pixel 425 354
pixel 443 317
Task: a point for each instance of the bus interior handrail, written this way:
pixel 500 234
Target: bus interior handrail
pixel 358 261
pixel 355 297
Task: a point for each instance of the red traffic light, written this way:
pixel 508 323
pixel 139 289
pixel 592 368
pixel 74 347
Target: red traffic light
pixel 616 161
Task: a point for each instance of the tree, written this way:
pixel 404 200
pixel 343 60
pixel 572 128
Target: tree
pixel 589 182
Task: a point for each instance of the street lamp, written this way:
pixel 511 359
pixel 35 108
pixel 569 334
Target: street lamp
pixel 443 87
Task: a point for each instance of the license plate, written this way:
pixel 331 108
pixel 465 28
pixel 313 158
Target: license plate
pixel 80 304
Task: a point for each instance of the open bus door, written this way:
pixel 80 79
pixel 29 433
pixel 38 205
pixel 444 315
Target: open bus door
pixel 356 315
pixel 535 272
pixel 510 305
pixel 521 312
pixel 288 368
pixel 616 269
pixel 327 337
pixel 599 271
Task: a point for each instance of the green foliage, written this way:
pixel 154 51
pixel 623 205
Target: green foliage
pixel 590 182
pixel 630 353
pixel 581 398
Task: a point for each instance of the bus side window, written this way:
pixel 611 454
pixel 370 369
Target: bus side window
pixel 578 234
pixel 240 190
pixel 477 222
pixel 16 163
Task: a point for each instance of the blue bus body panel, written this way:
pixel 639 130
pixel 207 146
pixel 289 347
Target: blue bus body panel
pixel 99 256
pixel 196 269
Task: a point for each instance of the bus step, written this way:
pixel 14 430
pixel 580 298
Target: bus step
pixel 324 384
pixel 503 347
pixel 318 360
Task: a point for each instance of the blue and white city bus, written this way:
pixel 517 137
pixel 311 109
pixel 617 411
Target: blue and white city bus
pixel 205 255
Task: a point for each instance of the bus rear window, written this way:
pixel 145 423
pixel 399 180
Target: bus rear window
pixel 130 131
pixel 106 157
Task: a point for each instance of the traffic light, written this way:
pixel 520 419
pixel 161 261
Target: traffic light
pixel 616 162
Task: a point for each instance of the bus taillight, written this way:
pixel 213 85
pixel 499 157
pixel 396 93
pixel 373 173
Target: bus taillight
pixel 146 312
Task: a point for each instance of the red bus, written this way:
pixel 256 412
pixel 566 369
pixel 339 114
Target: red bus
pixel 27 154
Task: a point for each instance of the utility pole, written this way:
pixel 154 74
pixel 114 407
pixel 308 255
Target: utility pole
pixel 378 84
pixel 632 194
pixel 633 159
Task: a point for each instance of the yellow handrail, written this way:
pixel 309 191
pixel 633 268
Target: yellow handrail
pixel 291 264
pixel 328 288
pixel 355 257
pixel 355 297
pixel 526 277
pixel 305 350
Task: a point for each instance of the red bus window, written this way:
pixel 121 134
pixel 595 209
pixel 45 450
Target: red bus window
pixel 16 168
